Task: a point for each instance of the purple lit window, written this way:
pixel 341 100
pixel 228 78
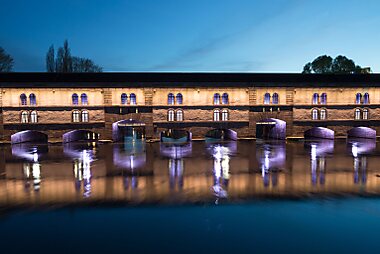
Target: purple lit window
pixel 23 99
pixel 170 99
pixel 324 98
pixel 179 98
pixel 83 98
pixel 216 99
pixel 32 99
pixel 267 98
pixel 366 98
pixel 124 98
pixel 315 98
pixel 225 98
pixel 74 99
pixel 275 98
pixel 132 98
pixel 358 98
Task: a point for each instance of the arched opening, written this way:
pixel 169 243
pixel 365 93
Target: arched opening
pixel 315 114
pixel 225 98
pixel 128 130
pixel 362 132
pixel 323 114
pixel 133 99
pixel 366 98
pixel 216 99
pixel 221 134
pixel 80 135
pixel 85 116
pixel 171 115
pixel 216 116
pixel 75 99
pixel 271 128
pixel 23 99
pixel 315 98
pixel 124 98
pixel 83 98
pixel 267 98
pixel 225 115
pixel 323 98
pixel 275 98
pixel 76 116
pixel 32 99
pixel 170 99
pixel 175 136
pixel 365 114
pixel 24 117
pixel 29 136
pixel 358 98
pixel 179 115
pixel 33 117
pixel 319 132
pixel 358 114
pixel 179 98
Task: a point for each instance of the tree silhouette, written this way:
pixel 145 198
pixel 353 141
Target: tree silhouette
pixel 6 61
pixel 340 65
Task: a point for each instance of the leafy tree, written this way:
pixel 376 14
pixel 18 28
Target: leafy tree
pixel 339 65
pixel 6 61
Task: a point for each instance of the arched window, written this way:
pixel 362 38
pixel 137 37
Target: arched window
pixel 315 98
pixel 132 98
pixel 74 99
pixel 275 98
pixel 358 99
pixel 357 114
pixel 216 115
pixel 366 98
pixel 267 98
pixel 323 114
pixel 76 116
pixel 32 99
pixel 23 99
pixel 365 114
pixel 83 99
pixel 225 98
pixel 314 114
pixel 24 116
pixel 124 98
pixel 170 99
pixel 323 98
pixel 85 116
pixel 216 99
pixel 179 115
pixel 170 115
pixel 33 117
pixel 224 115
pixel 179 98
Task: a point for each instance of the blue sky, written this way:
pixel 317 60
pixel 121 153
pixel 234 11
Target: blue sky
pixel 192 35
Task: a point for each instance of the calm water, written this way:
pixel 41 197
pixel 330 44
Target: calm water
pixel 246 196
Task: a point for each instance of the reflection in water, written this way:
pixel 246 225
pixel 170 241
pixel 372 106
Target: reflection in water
pixel 271 158
pixel 360 148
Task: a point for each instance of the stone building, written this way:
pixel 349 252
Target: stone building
pixel 108 106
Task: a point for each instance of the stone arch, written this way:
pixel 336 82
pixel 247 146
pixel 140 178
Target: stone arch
pixel 361 132
pixel 29 136
pixel 80 135
pixel 319 132
pixel 175 135
pixel 221 134
pixel 123 128
pixel 271 128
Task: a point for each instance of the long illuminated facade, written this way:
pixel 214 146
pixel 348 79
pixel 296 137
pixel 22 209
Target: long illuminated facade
pixel 111 106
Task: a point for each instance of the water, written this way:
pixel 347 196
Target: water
pixel 243 197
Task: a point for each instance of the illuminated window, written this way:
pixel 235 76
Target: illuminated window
pixel 170 99
pixel 76 116
pixel 357 114
pixel 366 98
pixel 33 117
pixel 314 114
pixel 179 115
pixel 132 98
pixel 216 115
pixel 74 99
pixel 24 117
pixel 32 99
pixel 323 114
pixel 83 99
pixel 170 115
pixel 84 116
pixel 275 98
pixel 267 98
pixel 124 98
pixel 365 114
pixel 225 98
pixel 358 99
pixel 23 99
pixel 324 98
pixel 216 99
pixel 179 98
pixel 224 115
pixel 315 98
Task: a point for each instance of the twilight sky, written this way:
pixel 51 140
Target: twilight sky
pixel 192 35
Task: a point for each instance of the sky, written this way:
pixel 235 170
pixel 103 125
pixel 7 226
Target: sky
pixel 192 35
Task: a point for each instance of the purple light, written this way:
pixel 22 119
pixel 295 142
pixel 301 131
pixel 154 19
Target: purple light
pixel 176 151
pixel 362 132
pixel 319 132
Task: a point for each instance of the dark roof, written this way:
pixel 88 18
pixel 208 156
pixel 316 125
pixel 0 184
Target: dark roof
pixel 118 79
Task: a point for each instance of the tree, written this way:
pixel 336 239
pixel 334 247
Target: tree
pixel 50 62
pixel 6 61
pixel 84 65
pixel 339 65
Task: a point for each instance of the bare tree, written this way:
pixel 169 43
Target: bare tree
pixel 6 61
pixel 50 61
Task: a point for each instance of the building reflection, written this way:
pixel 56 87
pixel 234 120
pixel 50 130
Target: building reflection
pixel 360 149
pixel 272 158
pixel 319 150
pixel 176 153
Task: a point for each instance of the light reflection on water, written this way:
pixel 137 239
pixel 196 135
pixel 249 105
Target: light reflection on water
pixel 138 172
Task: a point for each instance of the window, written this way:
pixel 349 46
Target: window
pixel 179 115
pixel 324 98
pixel 225 98
pixel 315 98
pixel 323 114
pixel 132 97
pixel 76 116
pixel 357 114
pixel 366 98
pixel 358 99
pixel 23 99
pixel 24 116
pixel 33 117
pixel 170 115
pixel 84 116
pixel 314 114
pixel 32 99
pixel 275 98
pixel 267 98
pixel 224 115
pixel 170 99
pixel 83 98
pixel 365 114
pixel 216 115
pixel 179 98
pixel 74 99
pixel 124 98
pixel 216 99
